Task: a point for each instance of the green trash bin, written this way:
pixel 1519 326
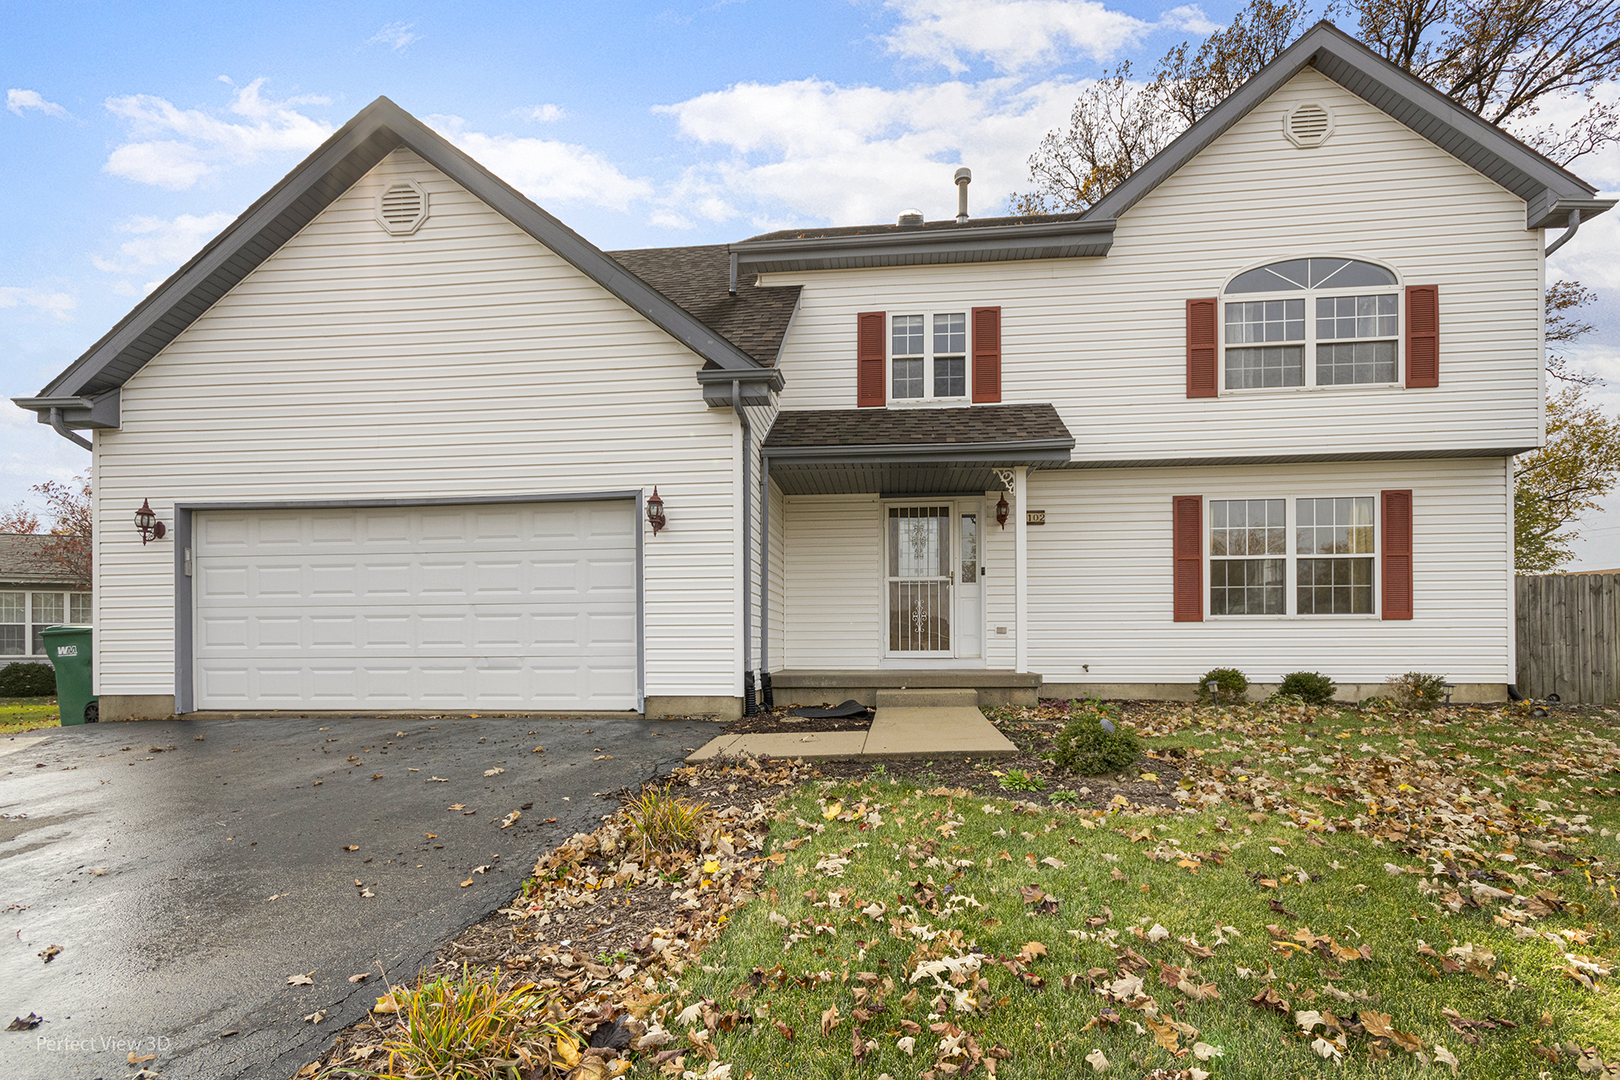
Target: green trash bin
pixel 69 650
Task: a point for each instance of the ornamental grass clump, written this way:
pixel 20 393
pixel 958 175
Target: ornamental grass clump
pixel 470 1029
pixel 1091 743
pixel 660 822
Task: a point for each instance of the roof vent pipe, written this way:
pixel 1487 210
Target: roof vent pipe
pixel 964 177
pixel 910 217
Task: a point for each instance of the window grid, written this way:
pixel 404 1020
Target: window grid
pixel 1338 339
pixel 1325 547
pixel 25 615
pixel 926 365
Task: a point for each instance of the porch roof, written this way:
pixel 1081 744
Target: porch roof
pixel 910 451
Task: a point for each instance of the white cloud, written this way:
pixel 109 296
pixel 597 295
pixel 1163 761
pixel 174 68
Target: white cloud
pixel 161 243
pixel 546 170
pixel 1016 35
pixel 542 114
pixel 849 155
pixel 18 100
pixel 58 305
pixel 174 148
pixel 396 35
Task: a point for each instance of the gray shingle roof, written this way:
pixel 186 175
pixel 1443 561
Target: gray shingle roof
pixel 967 426
pixel 699 280
pixel 26 559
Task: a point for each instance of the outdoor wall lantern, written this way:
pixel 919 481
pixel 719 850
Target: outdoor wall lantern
pixel 655 512
pixel 147 524
pixel 1001 511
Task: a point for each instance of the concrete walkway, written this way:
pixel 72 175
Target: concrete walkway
pixel 907 724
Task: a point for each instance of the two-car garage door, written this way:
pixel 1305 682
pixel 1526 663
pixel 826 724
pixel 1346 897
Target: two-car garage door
pixel 527 606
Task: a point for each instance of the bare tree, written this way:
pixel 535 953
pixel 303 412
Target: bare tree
pixel 69 506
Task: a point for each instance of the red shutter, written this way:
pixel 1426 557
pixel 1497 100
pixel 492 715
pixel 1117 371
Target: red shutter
pixel 986 354
pixel 1422 335
pixel 1202 347
pixel 1187 512
pixel 871 354
pixel 1397 554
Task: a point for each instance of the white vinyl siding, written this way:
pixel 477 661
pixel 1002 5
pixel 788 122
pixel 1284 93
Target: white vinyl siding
pixel 1100 574
pixel 465 360
pixel 834 559
pixel 1104 339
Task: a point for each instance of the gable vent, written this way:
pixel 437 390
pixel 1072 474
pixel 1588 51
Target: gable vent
pixel 1309 124
pixel 402 207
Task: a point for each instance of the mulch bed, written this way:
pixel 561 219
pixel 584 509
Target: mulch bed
pixel 777 720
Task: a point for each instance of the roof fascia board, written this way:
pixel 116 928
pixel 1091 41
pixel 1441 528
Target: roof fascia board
pixel 1048 450
pixel 999 243
pixel 384 120
pixel 1355 67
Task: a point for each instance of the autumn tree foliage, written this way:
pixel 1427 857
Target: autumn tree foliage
pixel 68 507
pixel 1506 62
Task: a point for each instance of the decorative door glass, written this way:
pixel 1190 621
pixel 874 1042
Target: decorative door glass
pixel 920 574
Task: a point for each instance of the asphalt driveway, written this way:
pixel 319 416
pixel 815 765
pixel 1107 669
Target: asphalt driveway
pixel 186 870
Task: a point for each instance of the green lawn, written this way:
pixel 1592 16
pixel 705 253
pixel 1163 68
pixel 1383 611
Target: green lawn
pixel 27 714
pixel 1401 883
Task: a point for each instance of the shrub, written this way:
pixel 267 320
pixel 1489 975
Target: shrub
pixel 27 680
pixel 661 822
pixel 1311 687
pixel 1231 683
pixel 1416 690
pixel 1084 746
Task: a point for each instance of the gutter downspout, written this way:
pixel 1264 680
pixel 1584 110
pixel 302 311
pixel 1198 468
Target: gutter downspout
pixel 750 706
pixel 1567 235
pixel 66 432
pixel 766 697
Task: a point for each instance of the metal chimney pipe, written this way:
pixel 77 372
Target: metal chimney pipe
pixel 964 177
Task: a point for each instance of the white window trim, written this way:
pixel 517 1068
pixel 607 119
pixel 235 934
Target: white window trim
pixel 28 623
pixel 928 398
pixel 1291 497
pixel 1309 295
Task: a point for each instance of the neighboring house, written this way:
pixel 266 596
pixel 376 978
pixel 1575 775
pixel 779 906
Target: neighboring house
pixel 1257 409
pixel 36 591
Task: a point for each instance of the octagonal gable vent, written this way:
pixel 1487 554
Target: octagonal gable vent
pixel 402 207
pixel 1308 124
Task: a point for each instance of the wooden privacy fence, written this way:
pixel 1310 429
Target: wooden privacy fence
pixel 1569 636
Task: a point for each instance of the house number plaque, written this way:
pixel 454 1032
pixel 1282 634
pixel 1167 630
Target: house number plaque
pixel 1034 517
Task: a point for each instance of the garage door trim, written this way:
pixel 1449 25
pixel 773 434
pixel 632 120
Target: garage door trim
pixel 185 652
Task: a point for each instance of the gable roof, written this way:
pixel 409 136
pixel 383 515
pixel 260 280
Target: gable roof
pixel 30 559
pixel 699 280
pixel 1550 191
pixel 314 184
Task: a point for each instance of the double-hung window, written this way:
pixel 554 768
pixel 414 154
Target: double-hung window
pixel 1312 322
pixel 1305 556
pixel 928 357
pixel 25 615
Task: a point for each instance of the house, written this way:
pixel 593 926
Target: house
pixel 37 589
pixel 1257 408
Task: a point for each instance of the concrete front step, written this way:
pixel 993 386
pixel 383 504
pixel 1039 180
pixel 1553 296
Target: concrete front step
pixel 926 698
pixel 952 729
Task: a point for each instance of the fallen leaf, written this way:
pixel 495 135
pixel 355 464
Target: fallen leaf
pixel 494 772
pixel 49 952
pixel 315 1017
pixel 388 1003
pixel 300 980
pixel 1031 951
pixel 360 978
pixel 1097 1061
pixel 351 847
pixel 511 819
pixel 135 1059
pixel 829 1018
pixel 26 1023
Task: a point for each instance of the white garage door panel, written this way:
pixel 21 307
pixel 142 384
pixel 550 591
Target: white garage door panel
pixel 527 606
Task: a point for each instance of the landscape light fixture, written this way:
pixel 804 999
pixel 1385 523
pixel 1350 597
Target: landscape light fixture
pixel 147 524
pixel 1001 511
pixel 655 512
pixel 1214 689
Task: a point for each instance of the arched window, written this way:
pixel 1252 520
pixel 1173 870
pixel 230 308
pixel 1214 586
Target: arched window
pixel 1312 322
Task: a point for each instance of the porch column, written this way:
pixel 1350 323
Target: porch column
pixel 1020 568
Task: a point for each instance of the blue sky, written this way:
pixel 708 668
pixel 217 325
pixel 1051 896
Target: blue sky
pixel 132 133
